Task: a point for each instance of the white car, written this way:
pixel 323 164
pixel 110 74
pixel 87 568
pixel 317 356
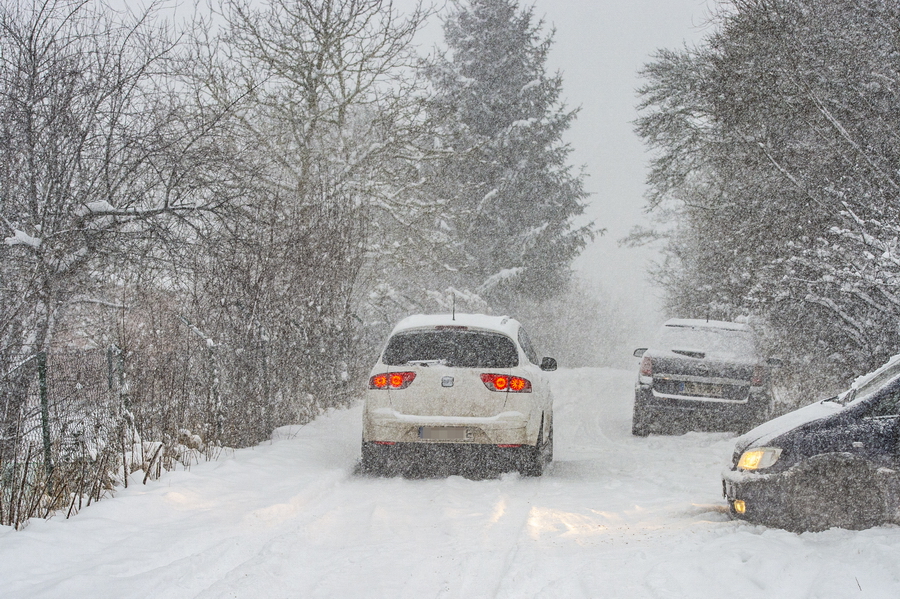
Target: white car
pixel 461 393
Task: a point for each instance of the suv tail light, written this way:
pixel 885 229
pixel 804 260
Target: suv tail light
pixel 646 366
pixel 391 380
pixel 759 376
pixel 505 382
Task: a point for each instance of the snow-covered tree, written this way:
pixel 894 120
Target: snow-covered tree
pixel 777 156
pixel 97 158
pixel 509 199
pixel 321 107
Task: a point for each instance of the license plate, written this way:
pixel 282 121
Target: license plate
pixel 444 433
pixel 701 389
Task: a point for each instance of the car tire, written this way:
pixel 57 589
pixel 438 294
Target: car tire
pixel 757 413
pixel 835 490
pixel 534 459
pixel 376 462
pixel 640 426
pixel 549 449
pixel 369 462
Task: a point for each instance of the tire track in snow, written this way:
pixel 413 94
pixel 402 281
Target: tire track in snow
pixel 484 572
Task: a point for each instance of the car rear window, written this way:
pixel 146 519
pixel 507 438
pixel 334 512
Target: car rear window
pixel 739 344
pixel 462 349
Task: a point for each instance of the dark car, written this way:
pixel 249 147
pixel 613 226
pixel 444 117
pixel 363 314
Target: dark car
pixel 835 463
pixel 701 375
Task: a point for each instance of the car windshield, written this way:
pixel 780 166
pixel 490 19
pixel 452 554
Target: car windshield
pixel 463 349
pixel 734 343
pixel 871 385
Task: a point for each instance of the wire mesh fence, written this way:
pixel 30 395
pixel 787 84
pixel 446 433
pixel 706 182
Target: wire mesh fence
pixel 61 423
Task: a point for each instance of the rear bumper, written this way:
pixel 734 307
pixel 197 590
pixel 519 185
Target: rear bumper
pixel 505 428
pixel 442 459
pixel 702 413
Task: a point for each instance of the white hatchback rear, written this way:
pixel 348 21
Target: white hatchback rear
pixel 458 394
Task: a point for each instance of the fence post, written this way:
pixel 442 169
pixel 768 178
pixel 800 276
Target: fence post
pixel 45 412
pixel 110 379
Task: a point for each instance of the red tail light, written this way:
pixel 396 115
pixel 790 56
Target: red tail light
pixel 759 376
pixel 646 366
pixel 391 380
pixel 505 382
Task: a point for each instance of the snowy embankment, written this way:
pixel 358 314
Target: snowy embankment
pixel 616 517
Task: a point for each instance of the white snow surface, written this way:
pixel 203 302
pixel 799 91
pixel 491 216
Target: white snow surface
pixel 98 207
pixel 22 238
pixel 618 516
pixel 503 324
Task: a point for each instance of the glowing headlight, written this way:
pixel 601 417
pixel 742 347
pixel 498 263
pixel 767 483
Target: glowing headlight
pixel 759 458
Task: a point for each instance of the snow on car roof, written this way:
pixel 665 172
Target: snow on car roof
pixel 706 324
pixel 501 324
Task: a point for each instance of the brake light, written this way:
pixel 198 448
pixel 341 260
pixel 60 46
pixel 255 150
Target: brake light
pixel 391 380
pixel 759 376
pixel 646 366
pixel 504 382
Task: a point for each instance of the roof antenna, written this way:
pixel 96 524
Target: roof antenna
pixel 453 295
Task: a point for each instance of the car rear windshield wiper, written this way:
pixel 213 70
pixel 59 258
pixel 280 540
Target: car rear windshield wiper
pixel 442 362
pixel 690 353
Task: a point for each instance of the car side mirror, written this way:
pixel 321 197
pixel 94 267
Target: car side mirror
pixel 774 363
pixel 639 352
pixel 548 364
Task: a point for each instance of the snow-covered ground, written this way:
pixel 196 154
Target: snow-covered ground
pixel 617 516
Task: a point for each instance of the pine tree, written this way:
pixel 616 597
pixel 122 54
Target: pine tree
pixel 510 197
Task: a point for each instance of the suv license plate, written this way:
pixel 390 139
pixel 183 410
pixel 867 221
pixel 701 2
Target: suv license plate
pixel 444 433
pixel 702 389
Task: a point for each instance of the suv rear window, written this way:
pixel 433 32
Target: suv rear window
pixel 463 349
pixel 739 344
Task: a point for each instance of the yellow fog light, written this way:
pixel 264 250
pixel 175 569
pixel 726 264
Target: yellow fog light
pixel 759 458
pixel 739 506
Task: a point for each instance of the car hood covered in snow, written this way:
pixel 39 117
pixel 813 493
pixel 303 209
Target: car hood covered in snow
pixel 764 433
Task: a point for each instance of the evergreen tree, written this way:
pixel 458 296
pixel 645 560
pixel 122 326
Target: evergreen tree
pixel 501 172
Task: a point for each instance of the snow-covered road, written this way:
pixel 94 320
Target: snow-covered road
pixel 617 516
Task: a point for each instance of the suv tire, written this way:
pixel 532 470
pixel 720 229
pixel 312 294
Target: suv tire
pixel 534 459
pixel 639 418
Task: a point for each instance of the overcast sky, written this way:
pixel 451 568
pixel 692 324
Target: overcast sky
pixel 599 46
